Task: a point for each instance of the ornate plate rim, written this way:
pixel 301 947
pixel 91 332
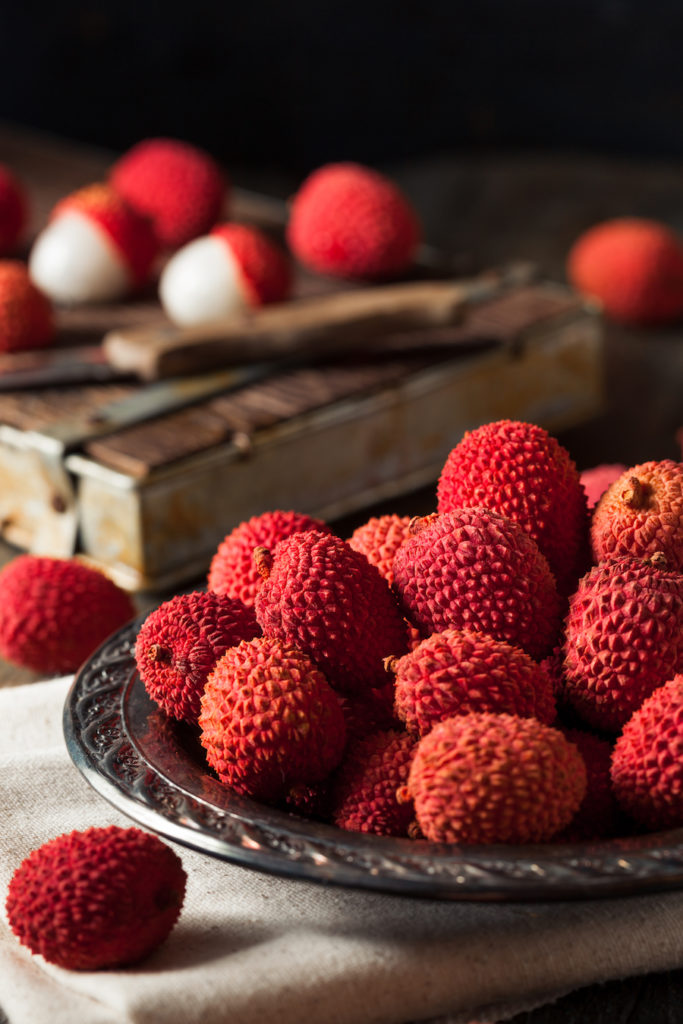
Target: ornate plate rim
pixel 183 803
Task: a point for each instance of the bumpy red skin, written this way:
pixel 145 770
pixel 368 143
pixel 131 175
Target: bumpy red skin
pixel 180 642
pixel 179 187
pixel 476 569
pixel 633 266
pixel 130 233
pixel 13 211
pixel 485 778
pixel 101 898
pixel 596 480
pixel 327 600
pixel 641 514
pixel 379 539
pixel 364 793
pixel 519 470
pixel 233 569
pixel 347 220
pixel 459 671
pixel 55 612
pixel 26 315
pixel 647 763
pixel 270 721
pixel 623 639
pixel 599 816
pixel 265 269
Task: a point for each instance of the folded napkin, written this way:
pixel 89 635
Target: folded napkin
pixel 250 948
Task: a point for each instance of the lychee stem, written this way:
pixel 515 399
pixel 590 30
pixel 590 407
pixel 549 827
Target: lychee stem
pixel 158 653
pixel 635 496
pixel 418 523
pixel 390 664
pixel 264 562
pixel 658 560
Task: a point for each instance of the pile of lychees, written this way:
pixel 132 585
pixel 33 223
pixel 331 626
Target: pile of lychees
pixel 507 669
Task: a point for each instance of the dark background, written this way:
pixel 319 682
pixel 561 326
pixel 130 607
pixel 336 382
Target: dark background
pixel 296 84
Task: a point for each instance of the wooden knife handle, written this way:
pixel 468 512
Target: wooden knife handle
pixel 324 325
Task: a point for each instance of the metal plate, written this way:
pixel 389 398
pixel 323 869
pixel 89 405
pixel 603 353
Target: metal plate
pixel 152 769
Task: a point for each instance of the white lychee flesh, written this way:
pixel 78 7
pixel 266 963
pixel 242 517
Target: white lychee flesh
pixel 74 262
pixel 202 282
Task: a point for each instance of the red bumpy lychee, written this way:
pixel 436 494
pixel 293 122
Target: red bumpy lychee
pixel 347 220
pixel 180 642
pixel 101 898
pixel 26 316
pixel 476 569
pixel 364 793
pixel 597 479
pixel 599 816
pixel 379 539
pixel 521 471
pixel 485 778
pixel 55 612
pixel 13 211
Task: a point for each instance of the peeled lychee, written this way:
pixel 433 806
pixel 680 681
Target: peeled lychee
pixel 101 898
pixel 641 514
pixel 347 220
pixel 26 316
pixel 623 639
pixel 647 763
pixel 326 599
pixel 459 671
pixel 180 642
pixel 270 721
pixel 366 782
pixel 179 187
pixel 379 539
pixel 233 569
pixel 486 778
pixel 233 269
pixel 55 612
pixel 95 248
pixel 476 569
pixel 521 471
pixel 13 211
pixel 597 479
pixel 633 267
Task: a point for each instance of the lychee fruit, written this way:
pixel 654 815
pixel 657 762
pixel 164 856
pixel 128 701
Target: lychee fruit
pixel 379 539
pixel 176 185
pixel 26 315
pixel 459 671
pixel 641 514
pixel 475 569
pixel 647 763
pixel 55 612
pixel 233 269
pixel 233 569
pixel 521 471
pixel 369 711
pixel 599 816
pixel 363 796
pixel 326 599
pixel 487 778
pixel 180 642
pixel 347 220
pixel 95 248
pixel 633 266
pixel 270 721
pixel 13 211
pixel 101 898
pixel 623 639
pixel 597 479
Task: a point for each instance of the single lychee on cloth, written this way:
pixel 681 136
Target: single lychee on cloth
pixel 180 642
pixel 459 671
pixel 326 599
pixel 641 514
pixel 13 211
pixel 476 569
pixel 487 778
pixel 633 266
pixel 623 639
pixel 233 569
pixel 96 899
pixel 270 721
pixel 373 769
pixel 26 315
pixel 94 248
pixel 647 762
pixel 347 220
pixel 54 613
pixel 233 269
pixel 521 471
pixel 178 186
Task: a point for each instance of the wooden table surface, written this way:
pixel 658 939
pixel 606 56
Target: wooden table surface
pixel 486 210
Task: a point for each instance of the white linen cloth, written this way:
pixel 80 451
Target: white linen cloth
pixel 254 949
